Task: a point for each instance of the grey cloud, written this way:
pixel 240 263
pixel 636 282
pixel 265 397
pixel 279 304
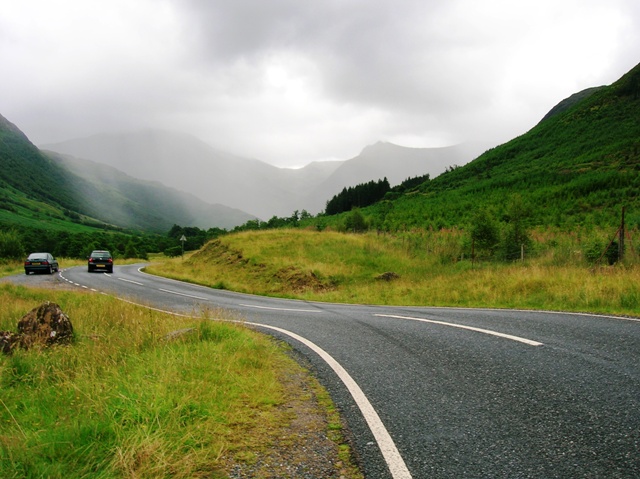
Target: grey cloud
pixel 290 81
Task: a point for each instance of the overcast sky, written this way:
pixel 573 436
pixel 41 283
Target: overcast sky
pixel 292 81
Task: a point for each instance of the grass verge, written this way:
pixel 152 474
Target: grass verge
pixel 130 399
pixel 338 267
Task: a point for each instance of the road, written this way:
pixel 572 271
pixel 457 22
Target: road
pixel 446 392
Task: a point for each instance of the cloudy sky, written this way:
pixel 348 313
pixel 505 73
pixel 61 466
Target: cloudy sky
pixel 292 81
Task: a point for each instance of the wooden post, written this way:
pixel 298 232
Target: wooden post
pixel 621 238
pixel 473 252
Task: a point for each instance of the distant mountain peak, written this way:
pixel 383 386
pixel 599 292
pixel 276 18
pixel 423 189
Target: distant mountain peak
pixel 378 146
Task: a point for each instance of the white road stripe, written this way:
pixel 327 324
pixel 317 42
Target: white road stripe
pixel 388 448
pixel 130 281
pixel 280 309
pixel 470 328
pixel 182 294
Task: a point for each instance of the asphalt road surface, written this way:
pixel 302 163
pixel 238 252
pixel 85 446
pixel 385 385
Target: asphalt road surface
pixel 447 392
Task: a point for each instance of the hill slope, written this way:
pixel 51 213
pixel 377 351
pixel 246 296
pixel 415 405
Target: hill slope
pixel 579 166
pixel 40 190
pixel 146 205
pixel 24 168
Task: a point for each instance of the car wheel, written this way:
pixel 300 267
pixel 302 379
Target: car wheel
pixel 26 272
pixel 111 270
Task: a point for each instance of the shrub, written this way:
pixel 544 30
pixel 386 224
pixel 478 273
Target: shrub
pixel 11 245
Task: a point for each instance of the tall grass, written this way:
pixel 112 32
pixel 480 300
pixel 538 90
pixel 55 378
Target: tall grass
pixel 130 399
pixel 434 268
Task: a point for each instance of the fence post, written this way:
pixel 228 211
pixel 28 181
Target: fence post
pixel 621 238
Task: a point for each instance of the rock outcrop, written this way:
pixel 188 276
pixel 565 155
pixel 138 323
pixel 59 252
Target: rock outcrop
pixel 44 326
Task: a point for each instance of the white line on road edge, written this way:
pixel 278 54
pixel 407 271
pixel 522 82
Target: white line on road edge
pixel 388 448
pixel 390 452
pixel 280 309
pixel 130 281
pixel 182 294
pixel 470 328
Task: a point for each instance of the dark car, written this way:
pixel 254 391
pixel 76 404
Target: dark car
pixel 37 262
pixel 101 260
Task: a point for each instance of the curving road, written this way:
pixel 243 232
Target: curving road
pixel 446 392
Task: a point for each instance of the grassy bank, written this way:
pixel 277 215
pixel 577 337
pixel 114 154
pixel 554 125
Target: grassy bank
pixel 431 270
pixel 129 399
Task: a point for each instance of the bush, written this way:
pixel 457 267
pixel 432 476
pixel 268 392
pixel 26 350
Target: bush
pixel 173 251
pixel 11 245
pixel 355 222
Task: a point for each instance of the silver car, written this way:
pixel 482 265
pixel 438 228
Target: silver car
pixel 37 262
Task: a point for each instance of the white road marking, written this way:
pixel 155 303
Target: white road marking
pixel 182 294
pixel 470 328
pixel 388 448
pixel 130 281
pixel 280 309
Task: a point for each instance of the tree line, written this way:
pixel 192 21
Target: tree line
pixel 358 196
pixel 16 245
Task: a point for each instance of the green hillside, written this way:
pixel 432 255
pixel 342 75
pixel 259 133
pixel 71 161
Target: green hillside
pixel 143 205
pixel 577 167
pixel 25 169
pixel 34 190
pixel 52 192
pixel 68 206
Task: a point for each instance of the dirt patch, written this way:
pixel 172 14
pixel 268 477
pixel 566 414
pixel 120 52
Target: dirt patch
pixel 297 281
pixel 302 447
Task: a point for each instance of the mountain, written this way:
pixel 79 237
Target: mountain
pixel 577 168
pixel 394 162
pixel 40 190
pixel 146 205
pixel 188 164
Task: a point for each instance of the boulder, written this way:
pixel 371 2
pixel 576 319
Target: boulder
pixel 8 340
pixel 45 325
